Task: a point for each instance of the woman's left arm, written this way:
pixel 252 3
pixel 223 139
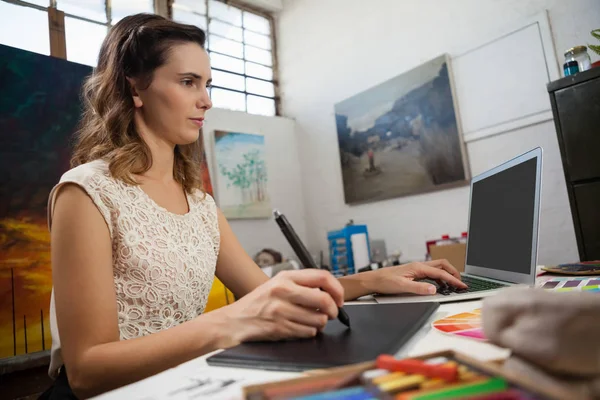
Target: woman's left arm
pixel 235 268
pixel 240 274
pixel 401 279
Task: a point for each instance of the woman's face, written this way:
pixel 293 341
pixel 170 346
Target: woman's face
pixel 172 108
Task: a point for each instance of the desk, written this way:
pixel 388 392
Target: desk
pixel 171 384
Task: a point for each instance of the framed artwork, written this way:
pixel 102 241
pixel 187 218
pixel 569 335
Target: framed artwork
pixel 241 175
pixel 39 109
pixel 402 136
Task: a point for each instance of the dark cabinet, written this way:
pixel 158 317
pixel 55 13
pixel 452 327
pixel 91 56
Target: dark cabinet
pixel 587 198
pixel 576 108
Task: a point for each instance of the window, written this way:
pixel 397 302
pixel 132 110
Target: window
pixel 239 41
pixel 86 24
pixel 83 40
pixel 31 36
pixel 239 44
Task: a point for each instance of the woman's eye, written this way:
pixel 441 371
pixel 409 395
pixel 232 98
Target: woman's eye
pixel 187 82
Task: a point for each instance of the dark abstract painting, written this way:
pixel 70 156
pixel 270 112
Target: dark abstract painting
pixel 39 111
pixel 40 108
pixel 401 137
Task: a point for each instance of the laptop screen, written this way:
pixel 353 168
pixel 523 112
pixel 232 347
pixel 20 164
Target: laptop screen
pixel 501 224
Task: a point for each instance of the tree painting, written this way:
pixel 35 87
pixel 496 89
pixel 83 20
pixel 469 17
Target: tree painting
pixel 241 175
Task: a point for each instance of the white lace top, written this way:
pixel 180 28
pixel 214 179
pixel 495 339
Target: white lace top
pixel 163 263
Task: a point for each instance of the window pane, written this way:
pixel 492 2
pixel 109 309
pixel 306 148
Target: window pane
pixel 261 106
pixel 260 87
pixel 198 6
pixel 256 23
pixel 226 46
pixel 258 55
pixel 226 30
pixel 226 13
pixel 83 41
pixel 186 17
pixel 259 71
pixel 258 40
pixel 227 99
pixel 92 9
pixel 228 80
pixel 26 28
pixel 228 63
pixel 123 8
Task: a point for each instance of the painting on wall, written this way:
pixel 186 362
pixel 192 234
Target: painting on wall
pixel 402 136
pixel 39 111
pixel 241 175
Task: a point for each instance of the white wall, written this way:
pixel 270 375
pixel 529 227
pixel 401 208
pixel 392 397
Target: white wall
pixel 283 171
pixel 330 50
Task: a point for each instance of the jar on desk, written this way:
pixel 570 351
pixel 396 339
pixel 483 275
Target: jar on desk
pixel 579 55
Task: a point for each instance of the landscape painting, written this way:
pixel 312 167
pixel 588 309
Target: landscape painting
pixel 241 172
pixel 39 110
pixel 401 137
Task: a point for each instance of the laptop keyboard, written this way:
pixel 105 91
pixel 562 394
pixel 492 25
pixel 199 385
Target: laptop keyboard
pixel 474 285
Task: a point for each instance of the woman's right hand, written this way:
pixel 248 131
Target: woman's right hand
pixel 289 305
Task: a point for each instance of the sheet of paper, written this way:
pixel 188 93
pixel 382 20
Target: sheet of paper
pixel 196 380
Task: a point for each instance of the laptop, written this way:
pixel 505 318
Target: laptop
pixel 503 232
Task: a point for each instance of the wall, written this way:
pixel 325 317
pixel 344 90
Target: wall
pixel 283 171
pixel 330 50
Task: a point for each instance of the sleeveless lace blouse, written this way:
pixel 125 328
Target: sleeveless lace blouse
pixel 163 263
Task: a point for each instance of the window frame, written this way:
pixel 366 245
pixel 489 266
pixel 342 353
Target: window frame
pixel 274 64
pixel 57 38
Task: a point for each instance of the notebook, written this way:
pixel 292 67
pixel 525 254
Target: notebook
pixel 376 329
pixel 503 232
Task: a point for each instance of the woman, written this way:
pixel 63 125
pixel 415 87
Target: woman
pixel 136 243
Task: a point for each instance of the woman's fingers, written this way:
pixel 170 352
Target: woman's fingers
pixel 316 278
pixel 310 298
pixel 423 288
pixel 291 329
pixel 303 316
pixel 445 265
pixel 436 273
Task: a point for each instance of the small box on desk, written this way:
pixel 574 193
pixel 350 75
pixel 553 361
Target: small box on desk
pixel 455 254
pixel 349 249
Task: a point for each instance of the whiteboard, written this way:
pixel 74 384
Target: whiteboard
pixel 501 85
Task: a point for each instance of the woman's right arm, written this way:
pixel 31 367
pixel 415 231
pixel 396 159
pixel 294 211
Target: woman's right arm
pixel 86 308
pixel 97 361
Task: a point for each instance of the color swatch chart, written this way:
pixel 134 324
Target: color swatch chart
pixel 573 284
pixel 466 324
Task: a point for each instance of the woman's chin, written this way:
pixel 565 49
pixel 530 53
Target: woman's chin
pixel 188 138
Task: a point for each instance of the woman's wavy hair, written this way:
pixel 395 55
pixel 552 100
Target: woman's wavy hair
pixel 134 48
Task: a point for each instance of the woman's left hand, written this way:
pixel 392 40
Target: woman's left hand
pixel 401 278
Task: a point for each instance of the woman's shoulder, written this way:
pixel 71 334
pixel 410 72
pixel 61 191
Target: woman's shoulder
pixel 204 204
pixel 84 173
pixel 95 180
pixel 202 197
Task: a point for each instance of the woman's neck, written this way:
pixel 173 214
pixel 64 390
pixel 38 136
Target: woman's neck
pixel 163 156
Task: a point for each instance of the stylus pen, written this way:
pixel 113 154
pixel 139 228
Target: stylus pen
pixel 303 254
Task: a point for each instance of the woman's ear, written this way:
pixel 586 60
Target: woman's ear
pixel 137 101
